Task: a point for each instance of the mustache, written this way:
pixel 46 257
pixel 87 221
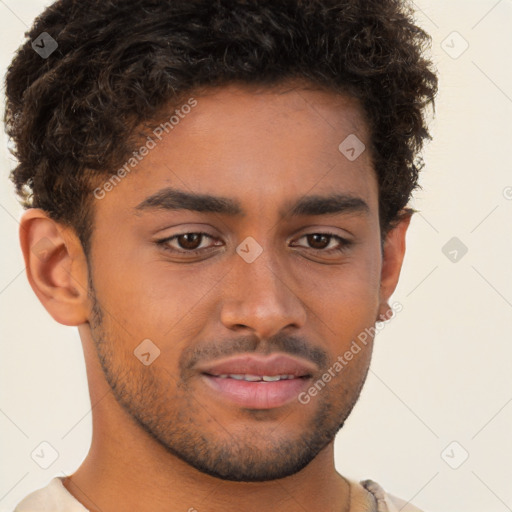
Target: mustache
pixel 282 343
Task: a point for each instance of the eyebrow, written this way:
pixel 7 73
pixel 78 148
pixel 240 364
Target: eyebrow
pixel 314 205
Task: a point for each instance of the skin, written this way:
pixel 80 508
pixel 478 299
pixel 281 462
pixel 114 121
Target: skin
pixel 162 440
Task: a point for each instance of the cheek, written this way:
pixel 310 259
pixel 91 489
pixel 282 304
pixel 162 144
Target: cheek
pixel 346 295
pixel 346 308
pixel 152 299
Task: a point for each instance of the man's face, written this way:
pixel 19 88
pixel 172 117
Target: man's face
pixel 228 309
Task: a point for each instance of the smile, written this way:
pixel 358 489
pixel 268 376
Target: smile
pixel 255 378
pixel 258 392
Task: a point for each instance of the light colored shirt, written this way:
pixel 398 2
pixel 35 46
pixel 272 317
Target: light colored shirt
pixel 366 496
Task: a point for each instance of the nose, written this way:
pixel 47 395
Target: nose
pixel 262 297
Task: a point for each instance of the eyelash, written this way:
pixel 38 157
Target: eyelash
pixel 345 244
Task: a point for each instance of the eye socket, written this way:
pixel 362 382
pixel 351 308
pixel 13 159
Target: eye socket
pixel 192 238
pixel 188 238
pixel 343 243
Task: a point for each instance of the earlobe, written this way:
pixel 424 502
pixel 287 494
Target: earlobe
pixel 56 266
pixel 392 259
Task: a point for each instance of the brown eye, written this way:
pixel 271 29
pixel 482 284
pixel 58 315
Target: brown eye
pixel 323 243
pixel 318 241
pixel 189 241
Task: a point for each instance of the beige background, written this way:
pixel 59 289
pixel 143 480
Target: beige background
pixel 441 370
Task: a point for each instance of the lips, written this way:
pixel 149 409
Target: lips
pixel 277 364
pixel 258 382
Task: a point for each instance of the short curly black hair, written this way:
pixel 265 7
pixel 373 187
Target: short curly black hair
pixel 74 116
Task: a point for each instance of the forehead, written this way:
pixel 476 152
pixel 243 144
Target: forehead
pixel 260 146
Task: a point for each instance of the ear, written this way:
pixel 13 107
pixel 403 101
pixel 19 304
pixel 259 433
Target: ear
pixel 392 259
pixel 56 266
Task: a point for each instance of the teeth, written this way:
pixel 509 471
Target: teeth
pixel 256 378
pixel 252 378
pixel 271 379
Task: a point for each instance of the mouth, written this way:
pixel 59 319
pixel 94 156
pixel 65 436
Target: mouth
pixel 254 382
pixel 256 378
